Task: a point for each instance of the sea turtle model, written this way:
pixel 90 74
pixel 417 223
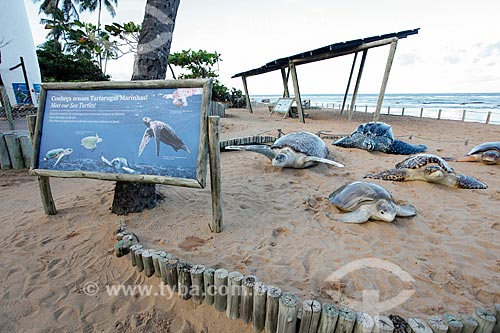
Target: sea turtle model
pixel 58 154
pixel 429 168
pixel 295 150
pixel 487 153
pixel 161 132
pixel 364 201
pixel 378 136
pixel 90 142
pixel 119 163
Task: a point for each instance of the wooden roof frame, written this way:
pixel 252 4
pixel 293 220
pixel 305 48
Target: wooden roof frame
pixel 288 65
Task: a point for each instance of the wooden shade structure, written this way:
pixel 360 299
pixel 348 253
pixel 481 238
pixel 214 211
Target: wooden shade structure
pixel 287 66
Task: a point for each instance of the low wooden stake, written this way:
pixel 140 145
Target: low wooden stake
pixel 364 323
pixel 287 313
pixel 14 148
pixel 247 285
pixel 198 288
pixel 383 324
pixel 4 154
pixel 345 323
pixel 156 264
pixel 329 318
pixel 485 319
pixel 439 114
pixel 234 295
pixel 470 324
pixel 497 316
pixel 455 325
pixel 171 273
pixel 208 285
pixel 26 150
pixel 437 324
pixel 418 325
pixel 138 259
pixel 147 260
pixel 259 306
pixel 220 282
pixel 311 312
pixel 184 279
pixel 133 248
pixel 272 308
pixel 122 247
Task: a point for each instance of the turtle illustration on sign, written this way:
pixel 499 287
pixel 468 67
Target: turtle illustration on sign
pixel 90 142
pixel 161 132
pixel 179 96
pixel 57 154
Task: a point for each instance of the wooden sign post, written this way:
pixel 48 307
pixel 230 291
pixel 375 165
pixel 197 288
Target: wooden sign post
pixel 153 131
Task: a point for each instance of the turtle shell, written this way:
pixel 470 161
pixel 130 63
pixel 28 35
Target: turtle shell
pixel 377 128
pixel 352 195
pixel 53 153
pixel 303 142
pixel 420 160
pixel 495 145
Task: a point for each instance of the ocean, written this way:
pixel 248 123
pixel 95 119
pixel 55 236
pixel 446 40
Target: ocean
pixel 475 106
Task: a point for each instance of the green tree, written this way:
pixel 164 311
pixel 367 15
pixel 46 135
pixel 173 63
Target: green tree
pixel 92 5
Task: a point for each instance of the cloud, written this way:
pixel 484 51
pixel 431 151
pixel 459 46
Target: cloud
pixel 491 50
pixel 409 59
pixel 452 59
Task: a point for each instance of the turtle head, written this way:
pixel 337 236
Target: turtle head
pixel 434 172
pixel 384 210
pixel 281 159
pixel 490 157
pixel 368 144
pixel 67 151
pixel 146 121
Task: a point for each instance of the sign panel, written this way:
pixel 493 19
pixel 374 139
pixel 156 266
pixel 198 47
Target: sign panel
pixel 283 105
pixel 150 131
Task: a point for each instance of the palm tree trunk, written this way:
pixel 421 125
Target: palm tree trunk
pixel 151 63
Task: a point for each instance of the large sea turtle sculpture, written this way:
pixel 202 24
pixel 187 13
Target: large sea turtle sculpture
pixel 161 132
pixel 364 201
pixel 429 168
pixel 90 142
pixel 57 154
pixel 295 150
pixel 378 136
pixel 487 153
pixel 119 163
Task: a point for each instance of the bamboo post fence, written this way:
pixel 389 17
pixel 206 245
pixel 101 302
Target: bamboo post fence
pixel 271 311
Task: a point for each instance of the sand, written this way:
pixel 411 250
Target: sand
pixel 274 227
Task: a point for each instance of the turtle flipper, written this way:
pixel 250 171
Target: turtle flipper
pixel 468 182
pixel 148 134
pixel 345 142
pixel 260 149
pixel 323 160
pixel 129 170
pixel 105 160
pixel 403 148
pixel 61 155
pixel 398 175
pixel 360 215
pixel 405 211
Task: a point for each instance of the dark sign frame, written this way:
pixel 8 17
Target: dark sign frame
pixel 199 180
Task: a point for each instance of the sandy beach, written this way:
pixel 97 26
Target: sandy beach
pixel 274 227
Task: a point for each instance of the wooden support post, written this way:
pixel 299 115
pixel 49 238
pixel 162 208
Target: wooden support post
pixel 287 314
pixel 139 264
pixel 463 114
pixel 147 260
pixel 387 71
pixel 437 324
pixel 171 273
pixel 496 329
pixel 216 224
pixel 388 110
pixel 455 325
pixel 247 297
pixel 418 325
pixel 349 82
pixel 346 321
pixel 272 308
pixel 184 279
pixel 133 248
pixel 296 90
pixel 403 111
pixel 485 319
pixel 488 117
pixel 358 82
pixel 220 282
pixel 198 287
pixel 208 285
pixel 14 148
pixel 421 112
pixel 284 76
pixel 470 324
pixel 234 295
pixel 366 108
pixel 439 114
pixel 247 96
pixel 383 324
pixel 311 312
pixel 4 154
pixel 329 317
pixel 156 263
pixel 364 323
pixel 26 150
pixel 259 306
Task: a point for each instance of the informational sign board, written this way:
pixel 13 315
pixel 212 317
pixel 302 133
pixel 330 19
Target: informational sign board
pixel 283 105
pixel 145 131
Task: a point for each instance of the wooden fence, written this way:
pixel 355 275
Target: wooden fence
pixel 269 309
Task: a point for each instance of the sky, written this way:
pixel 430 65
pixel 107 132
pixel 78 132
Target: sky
pixel 457 49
